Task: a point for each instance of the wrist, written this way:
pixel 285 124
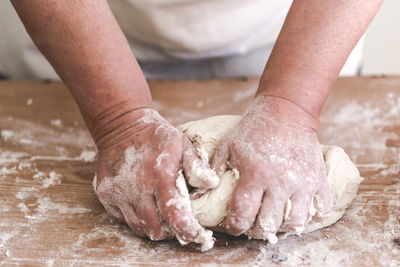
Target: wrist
pixel 307 95
pixel 115 125
pixel 284 111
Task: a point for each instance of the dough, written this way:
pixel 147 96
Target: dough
pixel 211 208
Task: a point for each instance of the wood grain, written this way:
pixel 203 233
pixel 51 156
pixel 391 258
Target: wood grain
pixel 50 215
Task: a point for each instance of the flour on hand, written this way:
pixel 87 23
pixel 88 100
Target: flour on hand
pixel 211 208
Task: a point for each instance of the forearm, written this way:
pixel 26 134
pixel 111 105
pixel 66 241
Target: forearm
pixel 313 45
pixel 86 47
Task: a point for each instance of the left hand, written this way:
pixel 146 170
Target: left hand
pixel 278 159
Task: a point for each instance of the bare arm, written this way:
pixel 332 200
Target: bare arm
pixel 140 153
pixel 314 43
pixel 88 50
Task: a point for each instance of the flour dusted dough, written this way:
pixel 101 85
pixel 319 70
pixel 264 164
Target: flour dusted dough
pixel 211 208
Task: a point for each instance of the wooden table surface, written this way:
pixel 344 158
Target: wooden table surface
pixel 50 214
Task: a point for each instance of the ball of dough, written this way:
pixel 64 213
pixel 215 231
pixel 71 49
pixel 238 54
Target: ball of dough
pixel 211 208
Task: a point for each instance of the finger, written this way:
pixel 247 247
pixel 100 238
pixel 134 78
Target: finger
pixel 132 220
pixel 323 202
pixel 115 212
pixel 270 216
pixel 197 170
pixel 108 203
pixel 243 207
pixel 220 158
pixel 299 213
pixel 150 219
pixel 173 201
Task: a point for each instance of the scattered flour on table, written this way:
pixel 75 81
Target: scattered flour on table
pixel 26 192
pixel 23 208
pixel 6 134
pixel 25 141
pixel 46 204
pixel 4 237
pixel 88 156
pixel 29 102
pixel 44 136
pixel 56 122
pixel 49 179
pixel 349 120
pixel 28 146
pixel 10 157
pixel 287 252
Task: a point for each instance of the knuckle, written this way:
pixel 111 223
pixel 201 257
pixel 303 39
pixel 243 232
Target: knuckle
pixel 114 211
pixel 237 225
pixel 161 172
pixel 257 170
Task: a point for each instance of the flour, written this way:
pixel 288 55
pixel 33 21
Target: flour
pixel 26 192
pixel 369 224
pixel 198 174
pixel 6 134
pixel 23 208
pixel 49 179
pixel 50 263
pixel 45 204
pixel 6 171
pixel 182 200
pixel 25 141
pixel 29 102
pixel 9 157
pixel 4 237
pixel 372 120
pixel 44 136
pixel 56 122
pixel 87 156
pixel 205 238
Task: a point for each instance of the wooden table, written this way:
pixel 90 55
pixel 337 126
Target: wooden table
pixel 50 215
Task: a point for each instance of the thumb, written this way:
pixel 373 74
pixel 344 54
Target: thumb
pixel 197 170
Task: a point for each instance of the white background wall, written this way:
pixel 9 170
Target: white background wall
pixel 381 48
pixel 382 41
pixel 13 38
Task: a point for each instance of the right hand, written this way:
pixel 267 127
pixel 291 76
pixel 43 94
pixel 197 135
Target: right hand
pixel 136 172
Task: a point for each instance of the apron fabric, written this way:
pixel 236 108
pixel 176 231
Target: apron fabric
pixel 194 39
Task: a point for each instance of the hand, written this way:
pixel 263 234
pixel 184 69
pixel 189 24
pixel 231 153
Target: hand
pixel 279 159
pixel 136 173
